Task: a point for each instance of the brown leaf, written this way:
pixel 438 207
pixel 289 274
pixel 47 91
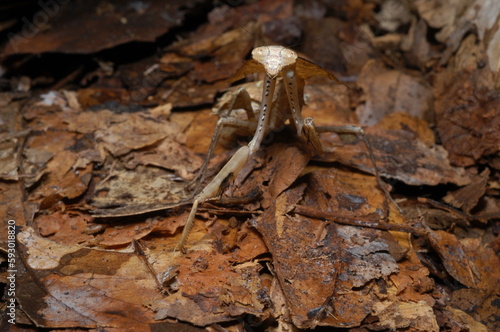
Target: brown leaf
pixel 485 261
pixel 142 190
pixel 413 282
pixel 480 303
pixel 121 235
pixel 34 164
pixel 389 91
pixel 328 104
pixel 288 164
pixel 65 228
pixel 283 163
pixel 175 65
pixel 419 128
pixel 461 319
pixel 400 315
pixel 11 140
pixel 323 257
pixel 417 46
pixel 122 24
pixel 399 155
pixel 324 40
pixel 250 244
pixel 455 260
pixel 62 179
pixel 15 212
pixel 345 193
pixel 466 198
pixel 75 286
pixel 213 288
pixel 169 154
pixel 121 133
pixel 468 121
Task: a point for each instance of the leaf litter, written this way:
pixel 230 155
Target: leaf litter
pixel 103 186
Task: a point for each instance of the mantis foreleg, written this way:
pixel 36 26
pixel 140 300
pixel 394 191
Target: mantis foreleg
pixel 221 124
pixel 232 167
pixel 236 163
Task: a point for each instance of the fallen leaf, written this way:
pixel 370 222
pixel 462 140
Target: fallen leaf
pixel 62 179
pixel 211 288
pixel 399 155
pixel 91 287
pixel 65 228
pixel 468 121
pixel 454 258
pixel 131 192
pixel 123 23
pixel 329 263
pixel 461 319
pixel 387 91
pixel 121 133
pixel 467 198
pixel 168 154
pixel 418 316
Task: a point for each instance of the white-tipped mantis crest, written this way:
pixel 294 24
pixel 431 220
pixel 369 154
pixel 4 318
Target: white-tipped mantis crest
pixel 283 65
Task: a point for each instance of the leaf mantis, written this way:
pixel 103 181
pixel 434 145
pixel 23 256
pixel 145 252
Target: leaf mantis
pixel 281 65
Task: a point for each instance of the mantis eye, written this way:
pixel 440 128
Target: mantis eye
pixel 288 56
pixel 259 51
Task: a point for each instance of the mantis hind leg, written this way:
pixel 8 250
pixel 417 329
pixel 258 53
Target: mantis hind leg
pixel 359 132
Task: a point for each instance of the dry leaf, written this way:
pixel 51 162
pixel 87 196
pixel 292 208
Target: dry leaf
pixel 455 260
pixel 142 190
pixel 388 91
pixel 467 198
pixel 399 154
pixel 68 286
pixel 339 257
pixel 418 316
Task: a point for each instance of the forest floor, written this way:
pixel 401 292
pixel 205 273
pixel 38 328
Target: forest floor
pixel 107 111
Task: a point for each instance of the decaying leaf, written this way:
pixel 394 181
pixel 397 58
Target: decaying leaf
pixel 400 154
pixel 122 235
pixel 468 197
pixel 121 133
pixel 91 287
pixel 124 293
pixel 326 261
pixel 270 255
pixel 454 258
pixel 65 228
pixel 283 163
pixel 145 189
pixel 185 163
pixel 10 141
pixel 66 21
pixel 461 319
pixel 209 287
pixel 388 91
pixel 34 164
pixel 400 315
pixel 468 120
pixel 62 179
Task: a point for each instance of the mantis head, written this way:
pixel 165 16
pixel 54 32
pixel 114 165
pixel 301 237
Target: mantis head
pixel 274 58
